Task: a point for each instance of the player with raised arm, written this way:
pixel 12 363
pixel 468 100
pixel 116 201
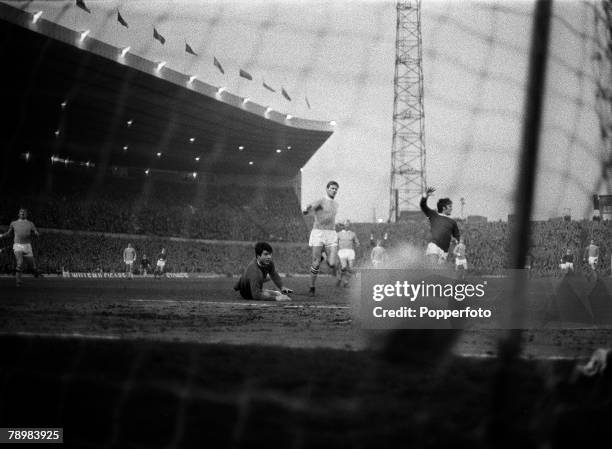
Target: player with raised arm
pixel 129 257
pixel 323 236
pixel 22 230
pixel 161 264
pixel 591 254
pixel 347 242
pixel 443 228
pixel 261 269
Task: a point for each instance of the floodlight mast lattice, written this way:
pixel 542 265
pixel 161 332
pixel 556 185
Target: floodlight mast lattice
pixel 408 148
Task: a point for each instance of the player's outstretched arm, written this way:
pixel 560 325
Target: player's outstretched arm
pixel 428 192
pixel 7 233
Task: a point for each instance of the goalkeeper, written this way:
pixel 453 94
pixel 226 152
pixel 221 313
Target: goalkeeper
pixel 260 270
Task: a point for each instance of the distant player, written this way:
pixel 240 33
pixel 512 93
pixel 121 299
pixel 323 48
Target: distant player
pixel 378 255
pixel 373 240
pixel 145 265
pixel 22 230
pixel 591 254
pixel 443 228
pixel 323 235
pixel 529 262
pixel 129 257
pixel 258 271
pixel 161 264
pixel 347 242
pixel 567 262
pixel 460 255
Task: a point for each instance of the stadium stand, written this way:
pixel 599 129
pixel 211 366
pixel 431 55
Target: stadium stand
pixel 69 199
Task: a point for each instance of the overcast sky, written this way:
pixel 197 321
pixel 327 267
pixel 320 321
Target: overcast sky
pixel 340 54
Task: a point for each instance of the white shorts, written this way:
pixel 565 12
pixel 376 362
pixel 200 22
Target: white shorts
pixel 130 263
pixel 593 260
pixel 346 255
pixel 567 266
pixel 435 250
pixel 161 264
pixel 25 248
pixel 323 237
pixel 461 261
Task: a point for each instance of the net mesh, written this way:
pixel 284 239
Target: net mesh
pixel 475 67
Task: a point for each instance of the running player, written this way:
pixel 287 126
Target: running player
pixel 258 271
pixel 378 255
pixel 460 255
pixel 22 230
pixel 161 264
pixel 129 257
pixel 347 242
pixel 443 228
pixel 592 253
pixel 323 235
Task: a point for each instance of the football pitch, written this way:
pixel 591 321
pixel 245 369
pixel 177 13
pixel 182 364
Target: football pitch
pixel 187 363
pixel 209 311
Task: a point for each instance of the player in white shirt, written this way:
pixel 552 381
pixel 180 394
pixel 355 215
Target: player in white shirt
pixel 22 230
pixel 460 255
pixel 129 257
pixel 323 235
pixel 347 242
pixel 591 253
pixel 378 255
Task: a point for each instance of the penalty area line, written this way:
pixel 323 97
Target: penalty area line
pixel 61 335
pixel 476 355
pixel 282 304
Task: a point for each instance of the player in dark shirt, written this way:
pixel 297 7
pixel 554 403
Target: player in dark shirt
pixel 145 265
pixel 567 262
pixel 161 264
pixel 250 284
pixel 443 228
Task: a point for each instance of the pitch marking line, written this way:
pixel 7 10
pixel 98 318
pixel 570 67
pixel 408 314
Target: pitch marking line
pixel 62 335
pixel 474 355
pixel 245 304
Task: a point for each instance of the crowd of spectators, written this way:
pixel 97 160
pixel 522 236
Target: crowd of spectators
pixel 487 249
pixel 72 200
pixel 488 244
pixel 159 212
pixel 57 252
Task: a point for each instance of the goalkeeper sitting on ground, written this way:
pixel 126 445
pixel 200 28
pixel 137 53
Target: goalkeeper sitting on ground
pixel 250 284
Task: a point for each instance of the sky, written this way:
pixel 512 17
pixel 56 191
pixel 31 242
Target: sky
pixel 340 54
